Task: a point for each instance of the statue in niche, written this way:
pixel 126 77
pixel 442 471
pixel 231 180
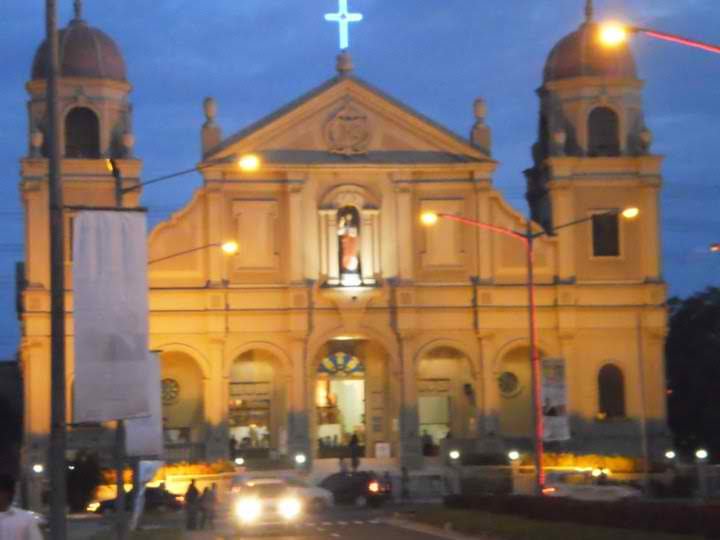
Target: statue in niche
pixel 349 249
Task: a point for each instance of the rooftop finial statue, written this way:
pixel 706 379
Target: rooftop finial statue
pixel 589 10
pixel 78 9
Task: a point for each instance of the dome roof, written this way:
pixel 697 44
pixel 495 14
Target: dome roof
pixel 580 55
pixel 84 52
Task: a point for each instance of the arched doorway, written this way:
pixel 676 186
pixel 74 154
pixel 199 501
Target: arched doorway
pixel 257 408
pixel 446 397
pixel 182 405
pixel 515 387
pixel 352 398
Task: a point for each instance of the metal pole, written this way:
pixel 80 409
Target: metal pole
pixel 56 455
pixel 538 426
pixel 120 525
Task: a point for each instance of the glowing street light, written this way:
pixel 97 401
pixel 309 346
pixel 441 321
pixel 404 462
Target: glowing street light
pixel 514 455
pixel 300 459
pixel 239 461
pixel 454 455
pixel 701 454
pixel 670 454
pixel 614 34
pixel 249 163
pixel 38 468
pixel 429 218
pixel 528 237
pixel 230 248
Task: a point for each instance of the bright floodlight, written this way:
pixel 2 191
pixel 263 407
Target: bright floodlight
pixel 514 455
pixel 300 459
pixel 701 454
pixel 454 455
pixel 230 248
pixel 613 34
pixel 631 213
pixel 429 218
pixel 249 163
pixel 670 454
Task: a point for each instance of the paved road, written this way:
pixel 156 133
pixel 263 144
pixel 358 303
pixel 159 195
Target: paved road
pixel 346 523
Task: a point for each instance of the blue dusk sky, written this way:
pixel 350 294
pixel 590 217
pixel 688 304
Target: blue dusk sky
pixel 436 56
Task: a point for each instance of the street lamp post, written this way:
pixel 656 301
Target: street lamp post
pixel 528 238
pixel 613 34
pixel 246 163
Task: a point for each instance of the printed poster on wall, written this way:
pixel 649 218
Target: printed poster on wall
pixel 554 400
pixel 110 310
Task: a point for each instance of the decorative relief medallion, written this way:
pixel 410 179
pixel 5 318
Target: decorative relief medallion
pixel 170 391
pixel 509 384
pixel 347 132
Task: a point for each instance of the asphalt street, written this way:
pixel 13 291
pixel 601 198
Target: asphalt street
pixel 339 522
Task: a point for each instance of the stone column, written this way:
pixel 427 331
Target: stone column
pixel 568 245
pixel 410 447
pixel 300 407
pixel 367 250
pixel 324 217
pixel 215 399
pixel 333 249
pixel 405 226
pixel 216 259
pixel 296 234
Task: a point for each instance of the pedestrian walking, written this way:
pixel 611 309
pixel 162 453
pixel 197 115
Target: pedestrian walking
pixel 354 452
pixel 192 497
pixel 207 507
pixel 15 524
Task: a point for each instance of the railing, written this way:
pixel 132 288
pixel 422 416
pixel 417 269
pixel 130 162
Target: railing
pixel 178 452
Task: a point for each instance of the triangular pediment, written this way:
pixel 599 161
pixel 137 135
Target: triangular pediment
pixel 346 120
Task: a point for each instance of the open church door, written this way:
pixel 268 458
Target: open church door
pixel 340 402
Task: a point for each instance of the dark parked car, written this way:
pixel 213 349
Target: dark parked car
pixel 155 499
pixel 360 488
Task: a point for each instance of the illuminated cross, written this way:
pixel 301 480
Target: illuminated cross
pixel 344 18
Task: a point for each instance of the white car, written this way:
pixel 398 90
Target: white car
pixel 314 498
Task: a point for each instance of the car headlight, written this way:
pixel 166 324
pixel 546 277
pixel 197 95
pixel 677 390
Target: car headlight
pixel 248 510
pixel 289 508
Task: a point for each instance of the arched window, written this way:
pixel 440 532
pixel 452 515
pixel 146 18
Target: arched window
pixel 603 133
pixel 611 392
pixel 82 134
pixel 348 230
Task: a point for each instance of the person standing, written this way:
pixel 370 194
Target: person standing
pixel 210 506
pixel 15 524
pixel 354 452
pixel 405 485
pixel 192 497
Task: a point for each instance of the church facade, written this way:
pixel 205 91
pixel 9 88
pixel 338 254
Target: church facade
pixel 341 314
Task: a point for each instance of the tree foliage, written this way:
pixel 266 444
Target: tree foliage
pixel 693 368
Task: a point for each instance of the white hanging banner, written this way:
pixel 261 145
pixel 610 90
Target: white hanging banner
pixel 146 472
pixel 110 309
pixel 144 436
pixel 554 400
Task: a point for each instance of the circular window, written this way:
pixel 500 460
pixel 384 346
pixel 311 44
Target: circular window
pixel 170 391
pixel 509 384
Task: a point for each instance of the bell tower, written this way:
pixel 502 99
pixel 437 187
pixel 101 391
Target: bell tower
pixel 95 125
pixel 593 155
